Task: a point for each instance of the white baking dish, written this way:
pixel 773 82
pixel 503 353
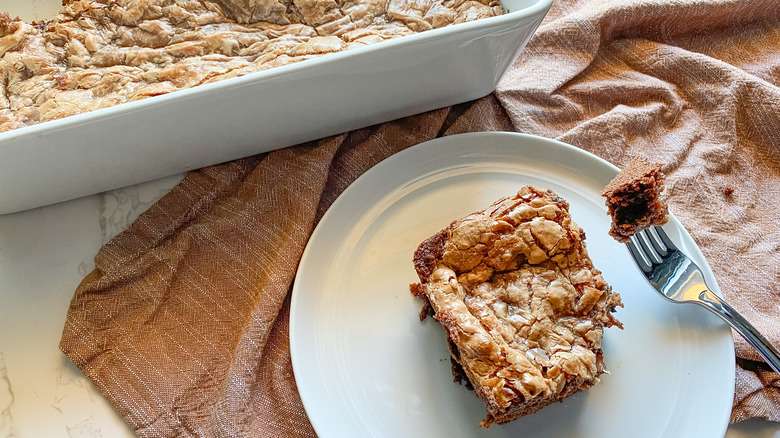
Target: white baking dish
pixel 169 134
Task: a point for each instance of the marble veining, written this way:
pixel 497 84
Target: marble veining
pixel 6 400
pixel 44 253
pixel 68 380
pixel 84 268
pixel 119 208
pixel 83 429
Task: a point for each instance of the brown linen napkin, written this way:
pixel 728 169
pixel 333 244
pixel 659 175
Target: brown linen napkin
pixel 693 85
pixel 183 324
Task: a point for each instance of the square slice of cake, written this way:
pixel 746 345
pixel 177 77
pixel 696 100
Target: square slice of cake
pixel 520 301
pixel 635 200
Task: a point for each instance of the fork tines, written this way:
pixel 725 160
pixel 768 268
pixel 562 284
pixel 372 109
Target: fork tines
pixel 649 246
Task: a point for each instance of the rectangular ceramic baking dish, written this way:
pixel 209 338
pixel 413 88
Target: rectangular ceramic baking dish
pixel 164 135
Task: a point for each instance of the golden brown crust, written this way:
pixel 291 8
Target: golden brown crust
pixel 634 199
pixel 97 54
pixel 522 305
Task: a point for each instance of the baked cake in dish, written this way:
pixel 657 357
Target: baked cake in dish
pixel 100 53
pixel 635 200
pixel 521 303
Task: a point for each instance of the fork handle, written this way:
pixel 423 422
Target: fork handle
pixel 721 308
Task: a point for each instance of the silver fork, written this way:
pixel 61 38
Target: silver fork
pixel 677 278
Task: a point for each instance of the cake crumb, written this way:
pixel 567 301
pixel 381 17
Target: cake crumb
pixel 635 200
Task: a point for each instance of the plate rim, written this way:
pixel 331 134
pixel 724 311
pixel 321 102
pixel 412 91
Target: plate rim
pixel 389 162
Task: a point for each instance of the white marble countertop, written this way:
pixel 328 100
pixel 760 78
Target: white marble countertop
pixel 44 254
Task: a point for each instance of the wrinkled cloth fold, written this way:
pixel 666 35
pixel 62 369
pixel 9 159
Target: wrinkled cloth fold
pixel 183 324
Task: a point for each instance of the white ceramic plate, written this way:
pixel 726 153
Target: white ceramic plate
pixel 366 366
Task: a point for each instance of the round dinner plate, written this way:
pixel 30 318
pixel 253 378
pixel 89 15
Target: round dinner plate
pixel 365 365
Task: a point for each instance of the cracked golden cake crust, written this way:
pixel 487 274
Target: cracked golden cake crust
pixel 634 199
pixel 520 300
pixel 100 53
